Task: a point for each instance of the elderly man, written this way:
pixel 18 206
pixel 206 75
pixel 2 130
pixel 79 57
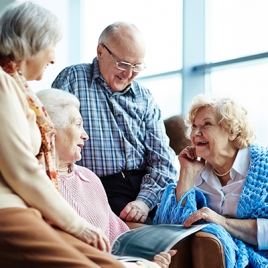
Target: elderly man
pixel 128 148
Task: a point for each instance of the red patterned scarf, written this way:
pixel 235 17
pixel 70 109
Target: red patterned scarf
pixel 47 150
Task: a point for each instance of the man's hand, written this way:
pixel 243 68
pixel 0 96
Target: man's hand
pixel 136 211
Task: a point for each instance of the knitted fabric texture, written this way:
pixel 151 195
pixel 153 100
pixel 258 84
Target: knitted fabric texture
pixel 83 190
pixel 253 204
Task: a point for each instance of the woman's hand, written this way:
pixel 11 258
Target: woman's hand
pixel 190 165
pixel 95 237
pixel 207 215
pixel 189 159
pixel 163 259
pixel 243 229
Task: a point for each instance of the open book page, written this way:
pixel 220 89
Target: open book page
pixel 147 241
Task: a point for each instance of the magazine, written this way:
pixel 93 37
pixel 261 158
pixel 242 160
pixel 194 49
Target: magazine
pixel 147 241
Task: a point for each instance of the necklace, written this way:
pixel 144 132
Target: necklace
pixel 67 170
pixel 220 175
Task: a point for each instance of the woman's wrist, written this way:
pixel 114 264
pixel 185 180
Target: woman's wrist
pixel 186 181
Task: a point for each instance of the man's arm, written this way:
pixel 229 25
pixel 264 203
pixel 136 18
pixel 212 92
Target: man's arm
pixel 158 163
pixel 62 81
pixel 159 158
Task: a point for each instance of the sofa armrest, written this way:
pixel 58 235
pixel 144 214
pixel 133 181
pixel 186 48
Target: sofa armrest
pixel 183 257
pixel 200 250
pixel 207 251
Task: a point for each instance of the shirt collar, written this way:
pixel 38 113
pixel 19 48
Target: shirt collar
pixel 241 163
pixel 80 174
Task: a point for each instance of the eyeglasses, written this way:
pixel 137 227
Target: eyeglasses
pixel 122 65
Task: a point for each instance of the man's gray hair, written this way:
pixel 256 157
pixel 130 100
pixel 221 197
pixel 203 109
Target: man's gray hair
pixel 57 103
pixel 26 29
pixel 111 30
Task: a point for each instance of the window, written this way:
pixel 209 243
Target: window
pixel 238 29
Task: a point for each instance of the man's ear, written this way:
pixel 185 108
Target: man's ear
pixel 99 51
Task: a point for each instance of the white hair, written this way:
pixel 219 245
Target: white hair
pixel 26 29
pixel 57 103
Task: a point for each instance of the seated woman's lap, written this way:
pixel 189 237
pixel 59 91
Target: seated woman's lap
pixel 27 240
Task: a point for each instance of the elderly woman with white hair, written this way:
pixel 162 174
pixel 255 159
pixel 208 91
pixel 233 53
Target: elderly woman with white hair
pixel 223 181
pixel 38 228
pixel 79 185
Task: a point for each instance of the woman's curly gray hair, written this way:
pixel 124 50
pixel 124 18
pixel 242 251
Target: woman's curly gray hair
pixel 26 29
pixel 231 116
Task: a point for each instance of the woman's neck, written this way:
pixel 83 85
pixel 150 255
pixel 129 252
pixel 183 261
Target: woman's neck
pixel 223 162
pixel 222 167
pixel 63 169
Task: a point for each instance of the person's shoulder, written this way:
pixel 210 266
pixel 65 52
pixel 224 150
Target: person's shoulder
pixel 4 77
pixel 6 81
pixel 255 147
pixel 85 171
pixel 136 85
pixel 140 90
pixel 70 74
pixel 258 153
pixel 10 89
pixel 84 67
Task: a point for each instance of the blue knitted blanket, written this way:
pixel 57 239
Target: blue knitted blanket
pixel 252 204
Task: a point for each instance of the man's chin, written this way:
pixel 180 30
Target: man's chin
pixel 119 87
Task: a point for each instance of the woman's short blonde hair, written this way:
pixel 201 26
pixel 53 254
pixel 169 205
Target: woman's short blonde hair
pixel 231 116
